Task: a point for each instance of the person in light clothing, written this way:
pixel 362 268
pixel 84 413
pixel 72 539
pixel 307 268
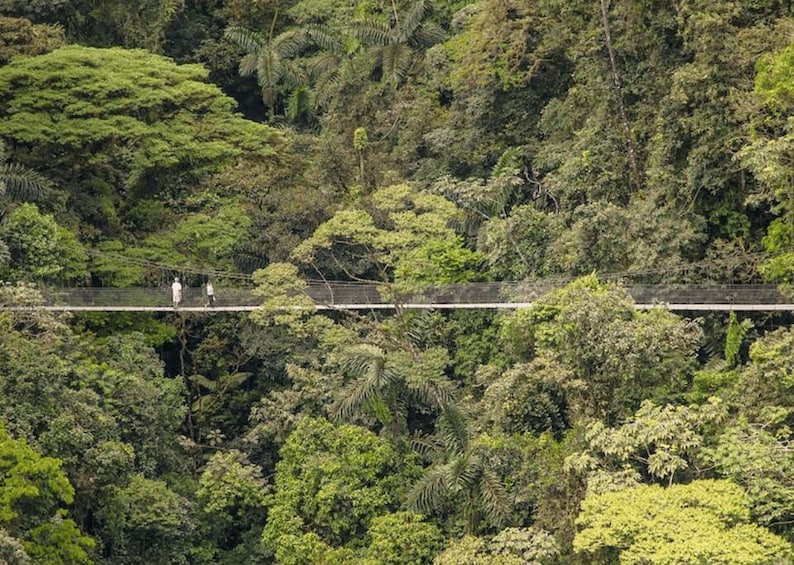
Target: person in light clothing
pixel 210 294
pixel 176 292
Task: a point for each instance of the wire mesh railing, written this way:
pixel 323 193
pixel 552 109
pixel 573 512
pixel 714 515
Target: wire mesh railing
pixel 364 295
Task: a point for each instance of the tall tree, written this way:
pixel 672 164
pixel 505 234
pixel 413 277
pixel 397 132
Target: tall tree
pixel 271 58
pixel 396 45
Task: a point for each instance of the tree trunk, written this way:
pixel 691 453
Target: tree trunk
pixel 632 153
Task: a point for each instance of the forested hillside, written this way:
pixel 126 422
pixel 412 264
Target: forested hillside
pixel 406 143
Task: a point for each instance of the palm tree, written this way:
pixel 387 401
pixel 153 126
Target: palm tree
pixel 462 476
pixel 381 388
pixel 18 182
pixel 271 59
pixel 395 45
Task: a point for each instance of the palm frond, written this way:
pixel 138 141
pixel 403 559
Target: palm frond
pixel 438 392
pixel 248 65
pixel 324 65
pixel 421 327
pixel 249 257
pixel 293 75
pixel 269 68
pixel 495 501
pixel 252 42
pixel 453 429
pixel 22 183
pixel 362 358
pixel 502 190
pixel 413 19
pixel 325 89
pixel 377 406
pixel 355 67
pixel 396 60
pixel 464 474
pixel 508 161
pixel 372 32
pixel 299 103
pixel 426 445
pixel 430 490
pixel 427 35
pixel 290 43
pixel 326 40
pixel 352 398
pixel 367 364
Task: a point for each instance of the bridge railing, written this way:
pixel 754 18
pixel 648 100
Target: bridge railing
pixel 341 294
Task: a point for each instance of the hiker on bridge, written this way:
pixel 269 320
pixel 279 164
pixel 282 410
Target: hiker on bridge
pixel 176 292
pixel 210 294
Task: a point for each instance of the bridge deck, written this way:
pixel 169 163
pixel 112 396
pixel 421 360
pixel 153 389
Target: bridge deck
pixel 356 296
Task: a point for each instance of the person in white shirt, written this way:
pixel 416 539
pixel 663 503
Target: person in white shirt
pixel 210 294
pixel 176 292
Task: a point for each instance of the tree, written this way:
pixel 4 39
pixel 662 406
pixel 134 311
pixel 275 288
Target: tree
pixel 612 357
pixel 270 58
pixel 331 483
pixel 103 23
pixel 528 397
pixel 511 546
pixel 153 128
pixel 762 464
pixel 397 234
pixel 461 476
pixel 387 385
pixel 32 242
pixel 146 522
pixel 395 46
pixel 401 538
pixel 33 494
pixel 770 156
pixel 232 496
pixel 19 36
pixel 704 521
pixel 661 443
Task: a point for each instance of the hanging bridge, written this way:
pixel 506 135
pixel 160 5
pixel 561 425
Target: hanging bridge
pixel 365 296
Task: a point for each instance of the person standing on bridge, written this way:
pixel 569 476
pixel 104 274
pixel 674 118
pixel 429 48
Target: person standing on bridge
pixel 176 292
pixel 210 294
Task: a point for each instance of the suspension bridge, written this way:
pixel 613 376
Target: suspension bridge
pixel 235 292
pixel 364 296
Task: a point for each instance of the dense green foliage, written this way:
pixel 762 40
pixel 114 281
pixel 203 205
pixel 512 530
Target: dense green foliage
pixel 404 144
